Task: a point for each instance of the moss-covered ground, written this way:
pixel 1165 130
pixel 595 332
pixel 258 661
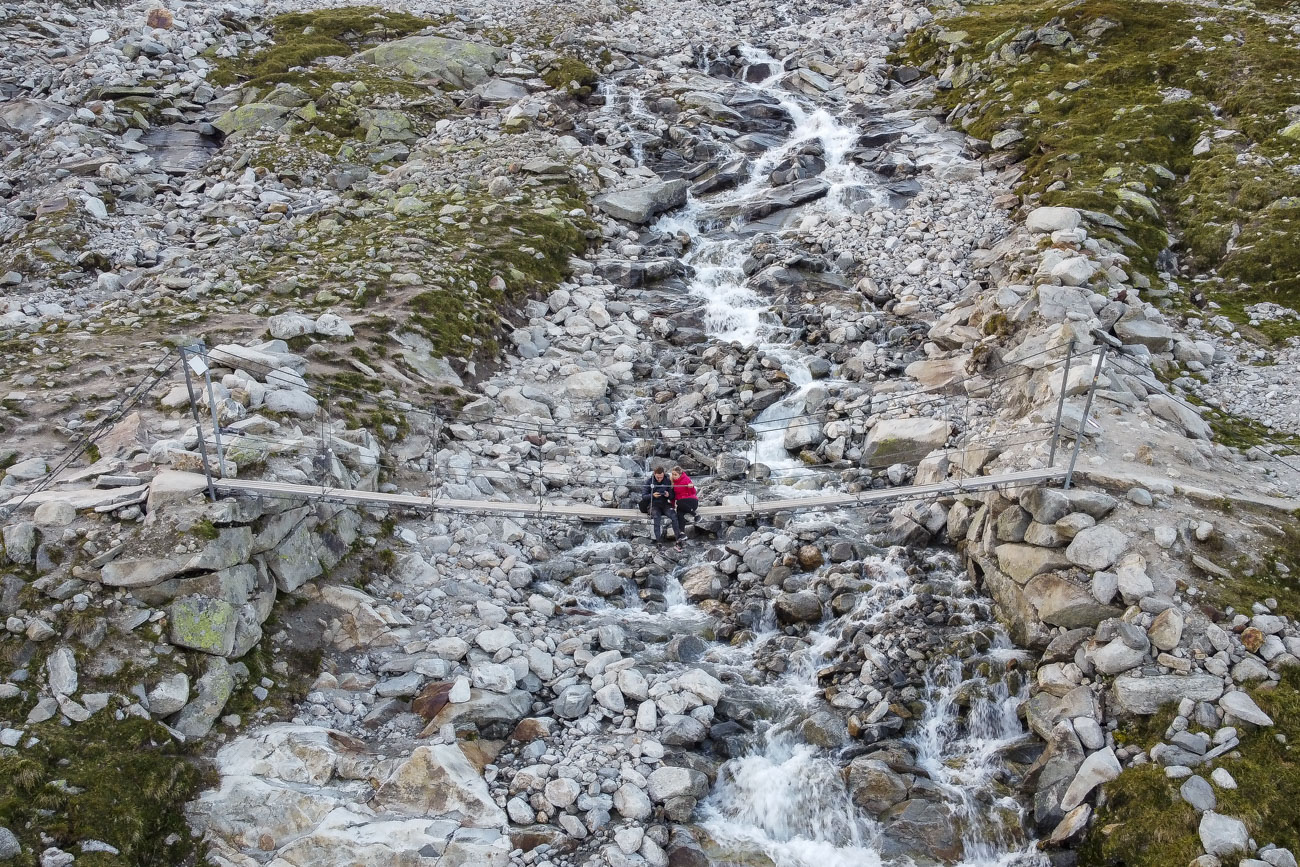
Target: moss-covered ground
pixel 299 39
pixel 443 263
pixel 1273 573
pixel 1145 822
pixel 1174 121
pixel 123 783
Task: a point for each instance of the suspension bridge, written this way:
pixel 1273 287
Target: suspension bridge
pixel 196 361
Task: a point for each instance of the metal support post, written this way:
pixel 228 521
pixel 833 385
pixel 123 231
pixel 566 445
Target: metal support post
pixel 212 409
pixel 325 424
pixel 437 444
pixel 1060 405
pixel 187 358
pixel 1087 407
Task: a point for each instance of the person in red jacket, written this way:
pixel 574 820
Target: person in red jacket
pixel 686 497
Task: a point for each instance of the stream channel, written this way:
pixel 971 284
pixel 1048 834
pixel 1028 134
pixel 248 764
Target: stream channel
pixel 794 794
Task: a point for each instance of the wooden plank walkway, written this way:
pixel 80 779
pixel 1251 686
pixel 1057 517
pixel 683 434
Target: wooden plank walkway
pixel 586 512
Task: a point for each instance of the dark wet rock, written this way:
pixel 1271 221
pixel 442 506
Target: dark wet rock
pixel 803 607
pixel 825 729
pixel 874 786
pixel 923 826
pixel 630 274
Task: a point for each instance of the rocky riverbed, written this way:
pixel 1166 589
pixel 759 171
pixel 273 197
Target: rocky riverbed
pixel 524 253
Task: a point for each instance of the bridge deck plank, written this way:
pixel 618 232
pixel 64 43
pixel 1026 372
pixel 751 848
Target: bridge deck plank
pixel 589 512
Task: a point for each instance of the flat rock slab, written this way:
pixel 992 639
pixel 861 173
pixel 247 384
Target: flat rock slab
pixel 644 203
pixel 1146 695
pixel 79 500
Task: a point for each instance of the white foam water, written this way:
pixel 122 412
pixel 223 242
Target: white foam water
pixel 733 311
pixel 788 800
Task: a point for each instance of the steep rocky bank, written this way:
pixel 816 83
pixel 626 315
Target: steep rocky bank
pixel 526 252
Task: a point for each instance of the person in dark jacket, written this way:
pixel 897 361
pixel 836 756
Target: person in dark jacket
pixel 686 498
pixel 659 488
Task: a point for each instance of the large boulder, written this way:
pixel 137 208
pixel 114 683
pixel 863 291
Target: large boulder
pixel 801 607
pixel 457 62
pixel 19 542
pixel 1180 414
pixel 904 440
pixel 295 561
pixel 170 488
pixel 141 572
pixel 1048 220
pixel 61 672
pixel 1044 710
pixel 704 581
pixel 802 435
pixel 1155 336
pixel 1223 836
pixel 1243 707
pixel 1100 767
pixel 291 402
pixel 1096 547
pixel 204 624
pixel 1046 505
pixel 25 115
pixel 289 325
pixel 1058 766
pixel 1116 657
pixel 436 781
pixel 1023 562
pixel 1061 602
pixel 670 782
pixel 1147 695
pixel 925 827
pixel 54 513
pixel 28 470
pixel 586 385
pixel 212 692
pixel 644 203
pixel 1167 629
pixel 874 786
pixel 170 695
pixel 251 117
pixel 496 715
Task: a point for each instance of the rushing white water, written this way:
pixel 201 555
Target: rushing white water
pixel 788 800
pixel 772 423
pixel 732 310
pixel 628 105
pixel 718 246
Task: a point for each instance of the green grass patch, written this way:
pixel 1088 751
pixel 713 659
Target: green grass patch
pixel 124 783
pixel 1113 99
pixel 302 38
pixel 1145 821
pixel 570 74
pixel 476 258
pixel 1274 574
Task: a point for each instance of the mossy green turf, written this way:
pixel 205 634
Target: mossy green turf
pixel 301 38
pixel 1145 822
pixel 1146 81
pixel 526 241
pixel 121 782
pixel 1275 574
pixel 569 73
